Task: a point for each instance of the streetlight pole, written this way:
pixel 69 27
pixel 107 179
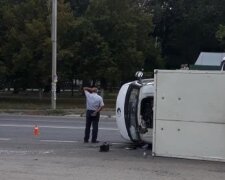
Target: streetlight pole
pixel 54 52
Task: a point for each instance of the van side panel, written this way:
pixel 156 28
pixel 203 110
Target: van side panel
pixel 189 114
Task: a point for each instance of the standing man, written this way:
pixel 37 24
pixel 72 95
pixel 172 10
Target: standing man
pixel 94 104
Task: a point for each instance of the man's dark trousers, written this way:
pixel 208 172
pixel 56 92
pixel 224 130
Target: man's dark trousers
pixel 91 120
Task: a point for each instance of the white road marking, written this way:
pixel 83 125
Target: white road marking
pixel 23 152
pixel 55 127
pixel 13 152
pixel 5 139
pixel 115 143
pixel 59 141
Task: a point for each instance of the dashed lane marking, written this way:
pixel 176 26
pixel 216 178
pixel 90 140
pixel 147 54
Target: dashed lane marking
pixel 58 141
pixel 55 127
pixel 5 139
pixel 61 141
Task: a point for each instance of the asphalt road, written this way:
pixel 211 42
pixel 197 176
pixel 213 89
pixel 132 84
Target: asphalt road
pixel 54 128
pixel 59 153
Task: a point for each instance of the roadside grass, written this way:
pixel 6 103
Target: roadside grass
pixel 32 101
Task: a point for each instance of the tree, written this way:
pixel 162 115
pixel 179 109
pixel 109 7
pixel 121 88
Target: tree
pixel 26 47
pixel 126 30
pixel 185 28
pixel 67 52
pixel 79 6
pixel 27 44
pixel 220 35
pixel 92 52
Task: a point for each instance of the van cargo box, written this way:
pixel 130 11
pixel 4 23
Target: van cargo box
pixel 189 114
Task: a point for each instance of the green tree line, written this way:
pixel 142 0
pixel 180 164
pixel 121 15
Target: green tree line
pixel 104 40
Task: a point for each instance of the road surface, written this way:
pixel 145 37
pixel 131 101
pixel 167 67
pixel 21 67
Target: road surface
pixel 59 153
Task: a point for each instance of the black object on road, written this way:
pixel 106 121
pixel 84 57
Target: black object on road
pixel 104 147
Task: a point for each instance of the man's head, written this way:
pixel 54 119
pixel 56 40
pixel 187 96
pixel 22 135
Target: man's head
pixel 94 89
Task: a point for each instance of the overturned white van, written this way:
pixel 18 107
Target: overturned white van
pixel 181 112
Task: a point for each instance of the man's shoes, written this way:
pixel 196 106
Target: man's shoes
pixel 95 141
pixel 85 141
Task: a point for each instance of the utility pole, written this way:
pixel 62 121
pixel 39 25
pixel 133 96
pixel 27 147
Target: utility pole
pixel 54 52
